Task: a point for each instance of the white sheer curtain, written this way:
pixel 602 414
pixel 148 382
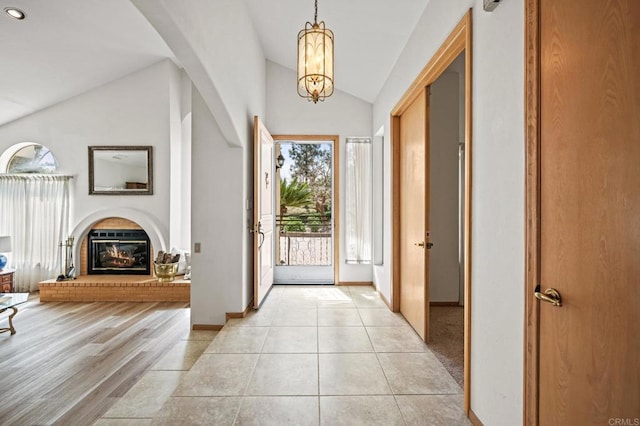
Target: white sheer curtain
pixel 34 211
pixel 358 209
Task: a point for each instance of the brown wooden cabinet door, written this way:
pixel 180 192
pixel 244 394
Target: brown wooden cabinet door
pixel 590 212
pixel 414 215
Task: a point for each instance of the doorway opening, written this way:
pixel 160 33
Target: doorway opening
pixel 418 281
pixel 306 210
pixel 446 214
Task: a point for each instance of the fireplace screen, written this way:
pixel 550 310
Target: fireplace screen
pixel 119 252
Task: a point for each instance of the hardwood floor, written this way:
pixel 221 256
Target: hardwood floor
pixel 69 362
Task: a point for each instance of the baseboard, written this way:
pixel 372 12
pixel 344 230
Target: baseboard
pixel 230 315
pixel 475 421
pixel 356 283
pixel 384 299
pixel 213 327
pixel 444 304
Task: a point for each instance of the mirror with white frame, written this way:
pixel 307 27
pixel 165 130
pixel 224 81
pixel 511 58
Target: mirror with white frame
pixel 121 170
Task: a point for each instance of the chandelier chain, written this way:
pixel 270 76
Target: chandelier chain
pixel 315 16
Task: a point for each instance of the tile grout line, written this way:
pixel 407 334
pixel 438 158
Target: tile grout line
pixel 383 372
pixel 253 371
pixel 244 397
pixel 152 370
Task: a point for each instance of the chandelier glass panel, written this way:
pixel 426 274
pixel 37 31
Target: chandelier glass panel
pixel 315 60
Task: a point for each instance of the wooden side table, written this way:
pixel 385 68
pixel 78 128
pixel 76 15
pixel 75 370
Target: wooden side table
pixel 6 280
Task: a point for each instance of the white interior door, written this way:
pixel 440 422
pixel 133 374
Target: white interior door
pixel 263 213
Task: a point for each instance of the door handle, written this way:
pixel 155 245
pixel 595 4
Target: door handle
pixel 261 235
pixel 258 230
pixel 550 295
pixel 423 245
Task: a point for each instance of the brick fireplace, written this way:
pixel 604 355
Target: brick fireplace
pixel 112 286
pixel 118 252
pixel 105 226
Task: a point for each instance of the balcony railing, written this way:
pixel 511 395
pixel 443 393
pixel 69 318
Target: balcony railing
pixel 304 240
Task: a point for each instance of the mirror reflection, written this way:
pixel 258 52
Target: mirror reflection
pixel 120 170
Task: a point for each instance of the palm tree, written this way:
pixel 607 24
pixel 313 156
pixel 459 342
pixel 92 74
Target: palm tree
pixel 294 194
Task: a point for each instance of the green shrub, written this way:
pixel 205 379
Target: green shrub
pixel 293 225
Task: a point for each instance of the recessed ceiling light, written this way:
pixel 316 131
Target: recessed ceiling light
pixel 15 13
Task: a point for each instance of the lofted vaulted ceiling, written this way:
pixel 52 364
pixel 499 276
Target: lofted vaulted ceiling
pixel 65 48
pixel 369 36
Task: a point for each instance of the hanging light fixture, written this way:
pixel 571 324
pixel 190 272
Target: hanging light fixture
pixel 315 60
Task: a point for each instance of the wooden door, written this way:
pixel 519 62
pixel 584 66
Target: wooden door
pixel 263 214
pixel 589 348
pixel 414 215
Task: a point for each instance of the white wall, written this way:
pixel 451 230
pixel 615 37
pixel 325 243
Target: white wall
pixel 216 43
pixel 133 110
pixel 217 193
pixel 180 159
pixel 443 186
pixel 498 191
pixel 185 201
pixel 341 114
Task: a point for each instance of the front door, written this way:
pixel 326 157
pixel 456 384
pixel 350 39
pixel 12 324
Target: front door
pixel 305 221
pixel 414 215
pixel 263 214
pixel 589 346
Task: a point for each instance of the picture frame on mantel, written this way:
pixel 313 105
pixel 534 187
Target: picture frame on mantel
pixel 121 170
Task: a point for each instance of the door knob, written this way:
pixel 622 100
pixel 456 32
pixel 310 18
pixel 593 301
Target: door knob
pixel 423 245
pixel 550 295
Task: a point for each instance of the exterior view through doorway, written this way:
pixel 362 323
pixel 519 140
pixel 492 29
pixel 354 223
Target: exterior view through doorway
pixel 306 210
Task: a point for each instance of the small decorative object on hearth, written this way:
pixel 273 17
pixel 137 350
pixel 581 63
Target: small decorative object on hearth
pixel 66 251
pixel 187 275
pixel 166 266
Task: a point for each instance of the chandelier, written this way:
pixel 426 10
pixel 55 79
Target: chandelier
pixel 315 60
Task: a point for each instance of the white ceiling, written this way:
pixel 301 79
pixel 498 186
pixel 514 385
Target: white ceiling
pixel 65 48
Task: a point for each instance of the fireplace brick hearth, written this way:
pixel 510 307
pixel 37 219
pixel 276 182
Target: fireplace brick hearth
pixel 123 288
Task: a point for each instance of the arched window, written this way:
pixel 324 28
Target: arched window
pixel 34 211
pixel 32 158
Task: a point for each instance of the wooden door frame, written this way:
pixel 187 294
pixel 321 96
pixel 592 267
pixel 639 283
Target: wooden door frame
pixel 458 41
pixel 532 212
pixel 335 139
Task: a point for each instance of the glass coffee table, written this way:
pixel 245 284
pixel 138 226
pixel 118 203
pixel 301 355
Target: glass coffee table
pixel 10 301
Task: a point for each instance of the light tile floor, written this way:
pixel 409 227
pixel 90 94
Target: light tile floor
pixel 312 355
pixel 146 398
